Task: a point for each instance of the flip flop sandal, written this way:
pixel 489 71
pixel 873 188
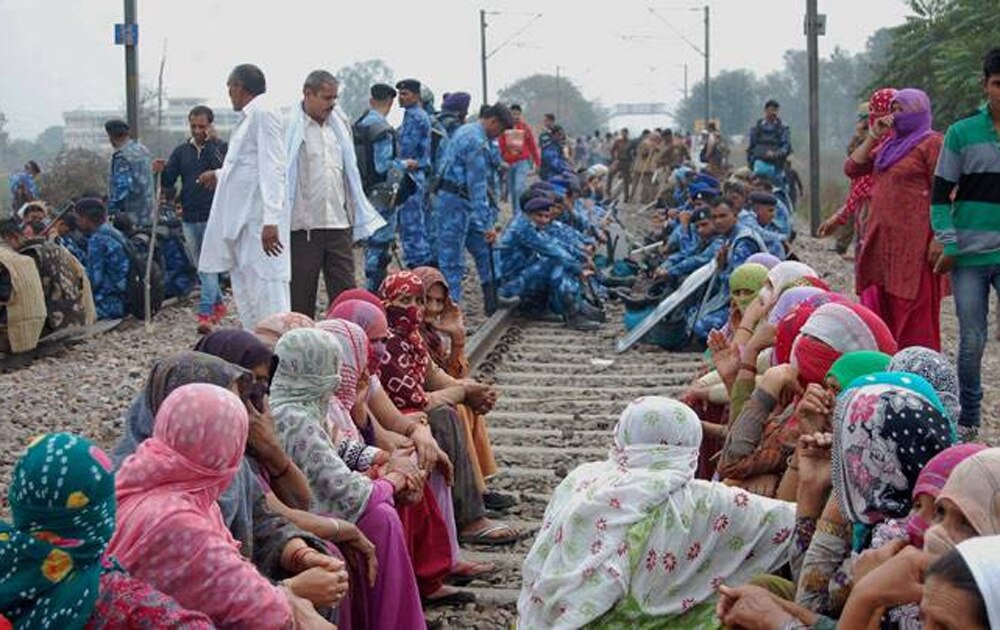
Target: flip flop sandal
pixel 483 537
pixel 458 598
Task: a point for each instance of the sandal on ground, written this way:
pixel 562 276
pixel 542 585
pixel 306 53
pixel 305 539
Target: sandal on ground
pixel 485 537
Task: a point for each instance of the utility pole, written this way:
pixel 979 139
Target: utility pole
pixel 482 53
pixel 812 48
pixel 685 82
pixel 131 69
pixel 558 95
pixel 708 75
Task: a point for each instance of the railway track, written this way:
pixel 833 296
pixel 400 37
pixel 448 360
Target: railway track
pixel 561 393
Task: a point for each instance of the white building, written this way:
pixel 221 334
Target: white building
pixel 175 115
pixel 638 116
pixel 85 127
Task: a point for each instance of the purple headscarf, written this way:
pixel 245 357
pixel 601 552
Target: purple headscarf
pixel 910 126
pixel 790 299
pixel 768 260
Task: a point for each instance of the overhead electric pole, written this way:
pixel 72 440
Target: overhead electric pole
pixel 482 53
pixel 812 49
pixel 708 75
pixel 131 68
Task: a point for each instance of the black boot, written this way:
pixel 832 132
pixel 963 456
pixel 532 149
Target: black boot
pixel 489 298
pixel 577 321
pixel 592 312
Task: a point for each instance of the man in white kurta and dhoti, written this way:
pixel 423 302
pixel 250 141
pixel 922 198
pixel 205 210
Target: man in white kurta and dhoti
pixel 247 234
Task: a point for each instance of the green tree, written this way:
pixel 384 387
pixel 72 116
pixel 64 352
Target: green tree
pixel 72 173
pixel 356 81
pixel 939 49
pixel 540 94
pixel 735 102
pixel 50 142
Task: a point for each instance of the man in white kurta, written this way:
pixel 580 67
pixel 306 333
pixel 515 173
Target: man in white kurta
pixel 247 234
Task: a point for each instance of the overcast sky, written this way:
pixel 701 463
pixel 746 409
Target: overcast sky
pixel 58 55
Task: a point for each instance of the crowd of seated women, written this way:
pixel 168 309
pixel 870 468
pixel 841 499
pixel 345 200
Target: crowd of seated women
pixel 304 474
pixel 812 477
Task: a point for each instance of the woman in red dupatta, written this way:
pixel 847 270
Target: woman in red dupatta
pixel 405 369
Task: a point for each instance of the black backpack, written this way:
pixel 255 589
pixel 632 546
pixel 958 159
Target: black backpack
pixel 137 249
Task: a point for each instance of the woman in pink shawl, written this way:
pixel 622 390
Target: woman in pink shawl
pixel 170 531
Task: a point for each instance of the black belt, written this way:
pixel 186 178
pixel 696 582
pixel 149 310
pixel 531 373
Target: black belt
pixel 456 189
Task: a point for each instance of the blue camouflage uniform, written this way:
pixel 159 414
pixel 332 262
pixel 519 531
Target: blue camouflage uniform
pixel 538 269
pixel 77 247
pixel 743 243
pixel 693 255
pixel 463 209
pixel 130 184
pixel 771 236
pixel 377 247
pixel 415 144
pixel 22 188
pixel 554 161
pixel 107 268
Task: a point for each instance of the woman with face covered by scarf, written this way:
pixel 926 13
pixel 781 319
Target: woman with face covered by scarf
pixel 898 251
pixel 255 517
pixel 307 375
pixel 52 551
pixel 391 429
pixel 967 509
pixel 635 540
pixel 883 437
pixel 429 523
pixel 790 398
pixel 170 530
pixel 405 370
pixel 855 208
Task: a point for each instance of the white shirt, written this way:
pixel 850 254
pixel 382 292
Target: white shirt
pixel 250 193
pixel 320 194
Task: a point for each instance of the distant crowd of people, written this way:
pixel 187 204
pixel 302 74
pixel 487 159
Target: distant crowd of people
pixel 826 469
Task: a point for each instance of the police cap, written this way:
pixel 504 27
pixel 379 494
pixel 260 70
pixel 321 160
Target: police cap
pixel 538 204
pixel 410 85
pixel 763 198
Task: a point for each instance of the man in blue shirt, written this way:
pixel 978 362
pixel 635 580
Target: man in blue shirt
pixel 762 217
pixel 107 260
pixel 202 152
pixel 414 157
pixel 554 159
pixel 464 213
pixel 130 184
pixel 375 146
pixel 694 252
pixel 738 244
pixel 23 188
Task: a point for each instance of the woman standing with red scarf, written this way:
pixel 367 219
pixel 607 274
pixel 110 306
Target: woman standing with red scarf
pixel 895 275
